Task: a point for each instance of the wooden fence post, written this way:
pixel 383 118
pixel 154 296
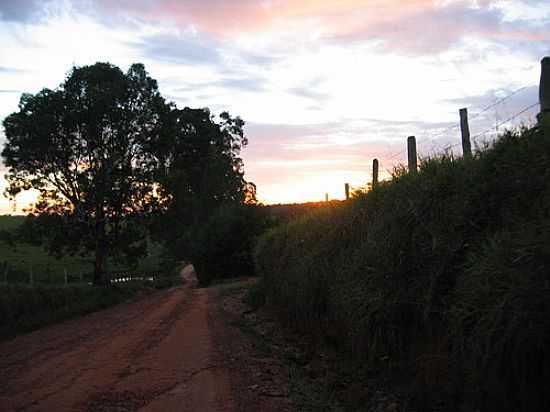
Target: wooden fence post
pixel 326 197
pixel 465 131
pixel 411 150
pixel 544 88
pixel 347 191
pixel 374 173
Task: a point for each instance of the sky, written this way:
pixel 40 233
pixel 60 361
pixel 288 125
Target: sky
pixel 323 86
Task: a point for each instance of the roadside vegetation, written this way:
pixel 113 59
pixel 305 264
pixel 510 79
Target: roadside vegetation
pixel 24 308
pixel 439 278
pixel 19 258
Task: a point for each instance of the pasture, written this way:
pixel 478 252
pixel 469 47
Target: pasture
pixel 19 262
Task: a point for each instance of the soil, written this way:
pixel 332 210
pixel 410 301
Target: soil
pixel 173 350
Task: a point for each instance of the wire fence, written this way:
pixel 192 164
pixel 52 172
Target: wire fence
pixel 481 119
pixel 486 123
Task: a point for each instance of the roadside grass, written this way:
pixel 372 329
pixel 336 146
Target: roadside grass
pixel 440 275
pixel 24 308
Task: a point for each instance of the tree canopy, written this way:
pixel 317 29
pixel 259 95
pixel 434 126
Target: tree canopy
pixel 105 150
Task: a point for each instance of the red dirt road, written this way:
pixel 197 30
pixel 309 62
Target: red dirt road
pixel 153 354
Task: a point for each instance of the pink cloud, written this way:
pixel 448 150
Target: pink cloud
pixel 416 26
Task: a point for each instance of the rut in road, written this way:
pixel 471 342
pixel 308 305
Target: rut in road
pixel 154 354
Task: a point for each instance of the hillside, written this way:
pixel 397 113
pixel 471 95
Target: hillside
pixel 439 277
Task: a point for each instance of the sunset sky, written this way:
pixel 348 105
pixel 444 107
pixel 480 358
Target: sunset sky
pixel 324 86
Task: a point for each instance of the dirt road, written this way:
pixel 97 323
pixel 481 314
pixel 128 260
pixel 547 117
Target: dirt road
pixel 153 354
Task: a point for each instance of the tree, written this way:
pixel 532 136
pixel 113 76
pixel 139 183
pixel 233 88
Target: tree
pixel 87 148
pixel 203 167
pixel 203 180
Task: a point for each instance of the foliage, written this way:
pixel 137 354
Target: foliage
pixel 202 168
pixel 222 247
pixel 19 257
pixel 439 274
pixel 111 160
pixel 203 179
pixel 85 147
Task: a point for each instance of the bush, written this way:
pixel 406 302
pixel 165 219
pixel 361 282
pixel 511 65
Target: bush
pixel 222 248
pixel 419 275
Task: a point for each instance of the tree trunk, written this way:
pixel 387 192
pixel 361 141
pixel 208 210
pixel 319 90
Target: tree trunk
pixel 101 252
pixel 100 275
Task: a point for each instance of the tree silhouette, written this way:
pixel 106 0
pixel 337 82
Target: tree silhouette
pixel 86 147
pixel 201 172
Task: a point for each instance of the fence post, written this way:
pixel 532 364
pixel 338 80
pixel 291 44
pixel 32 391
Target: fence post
pixel 411 150
pixel 544 88
pixel 347 191
pixel 465 131
pixel 326 197
pixel 374 173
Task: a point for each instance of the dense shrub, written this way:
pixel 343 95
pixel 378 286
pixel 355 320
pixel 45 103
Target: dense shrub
pixel 222 247
pixel 442 274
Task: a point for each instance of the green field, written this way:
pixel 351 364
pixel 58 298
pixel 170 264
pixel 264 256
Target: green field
pixel 22 259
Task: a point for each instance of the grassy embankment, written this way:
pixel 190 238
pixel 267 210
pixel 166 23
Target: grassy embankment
pixel 440 278
pixel 24 307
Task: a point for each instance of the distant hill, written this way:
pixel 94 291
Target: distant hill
pixel 284 213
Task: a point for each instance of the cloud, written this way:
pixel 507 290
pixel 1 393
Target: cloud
pixel 180 49
pixel 515 99
pixel 310 90
pixel 496 106
pixel 244 84
pixel 19 10
pixel 10 70
pixel 433 29
pixel 415 27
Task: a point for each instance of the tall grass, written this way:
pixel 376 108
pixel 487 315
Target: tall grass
pixel 442 275
pixel 24 308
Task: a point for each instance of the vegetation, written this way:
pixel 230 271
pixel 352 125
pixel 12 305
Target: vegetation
pixel 222 247
pixel 205 220
pixel 18 259
pixel 85 148
pixel 439 275
pixel 126 181
pixel 24 308
pixel 116 166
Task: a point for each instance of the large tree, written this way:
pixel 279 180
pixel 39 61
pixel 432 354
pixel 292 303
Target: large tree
pixel 87 148
pixel 202 164
pixel 203 180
